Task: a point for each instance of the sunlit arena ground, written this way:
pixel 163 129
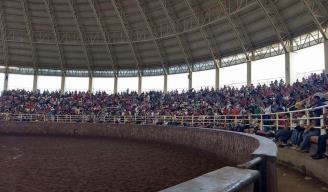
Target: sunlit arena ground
pixel 63 164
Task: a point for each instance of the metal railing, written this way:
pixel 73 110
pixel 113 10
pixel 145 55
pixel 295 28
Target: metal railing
pixel 272 121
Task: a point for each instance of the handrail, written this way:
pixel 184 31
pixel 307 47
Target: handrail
pixel 259 121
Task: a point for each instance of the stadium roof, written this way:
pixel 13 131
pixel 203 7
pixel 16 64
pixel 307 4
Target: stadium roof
pixel 156 36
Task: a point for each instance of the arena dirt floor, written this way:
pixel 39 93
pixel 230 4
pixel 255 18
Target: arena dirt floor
pixel 292 181
pixel 63 164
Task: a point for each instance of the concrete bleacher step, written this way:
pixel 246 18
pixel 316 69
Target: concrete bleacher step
pixel 304 163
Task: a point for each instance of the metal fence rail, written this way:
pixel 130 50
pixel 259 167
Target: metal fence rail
pixel 271 121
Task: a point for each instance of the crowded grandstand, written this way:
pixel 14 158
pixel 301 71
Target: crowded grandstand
pixel 202 107
pixel 236 90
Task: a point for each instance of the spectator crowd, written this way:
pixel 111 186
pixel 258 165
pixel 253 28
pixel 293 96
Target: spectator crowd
pixel 229 101
pixel 272 98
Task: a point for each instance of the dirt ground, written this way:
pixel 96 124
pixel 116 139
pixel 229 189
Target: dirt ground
pixel 292 181
pixel 64 164
pixel 57 164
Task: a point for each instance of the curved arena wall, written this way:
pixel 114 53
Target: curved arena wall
pixel 235 148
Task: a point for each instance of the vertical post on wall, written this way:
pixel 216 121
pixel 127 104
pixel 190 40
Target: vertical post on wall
pixel 287 62
pixel 139 84
pixel 115 84
pixel 35 81
pixel 190 80
pixel 325 44
pixel 90 85
pixel 5 82
pixel 217 78
pixel 165 83
pixel 62 85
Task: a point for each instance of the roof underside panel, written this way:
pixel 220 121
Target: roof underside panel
pixel 132 34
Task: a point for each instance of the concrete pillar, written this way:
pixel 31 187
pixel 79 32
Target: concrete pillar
pixel 326 55
pixel 115 84
pixel 5 82
pixel 249 72
pixel 217 78
pixel 35 82
pixel 90 85
pixel 165 83
pixel 287 68
pixel 139 84
pixel 190 80
pixel 62 86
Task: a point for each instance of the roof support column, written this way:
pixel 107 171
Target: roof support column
pixel 5 82
pixel 287 62
pixel 62 85
pixel 165 83
pixel 190 80
pixel 249 72
pixel 249 69
pixel 325 44
pixel 217 78
pixel 35 81
pixel 90 86
pixel 287 68
pixel 139 84
pixel 115 84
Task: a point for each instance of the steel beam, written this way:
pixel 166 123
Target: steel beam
pixel 187 57
pixel 244 33
pixel 280 28
pixel 145 18
pixel 52 19
pixel 203 32
pixel 234 27
pixel 315 10
pixel 119 14
pixel 5 55
pixel 72 6
pixel 29 30
pixel 94 6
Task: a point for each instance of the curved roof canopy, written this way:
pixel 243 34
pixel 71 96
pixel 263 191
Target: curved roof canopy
pixel 118 35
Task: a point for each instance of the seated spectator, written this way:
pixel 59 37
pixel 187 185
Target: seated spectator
pixel 309 131
pixel 322 141
pixel 297 132
pixel 284 133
